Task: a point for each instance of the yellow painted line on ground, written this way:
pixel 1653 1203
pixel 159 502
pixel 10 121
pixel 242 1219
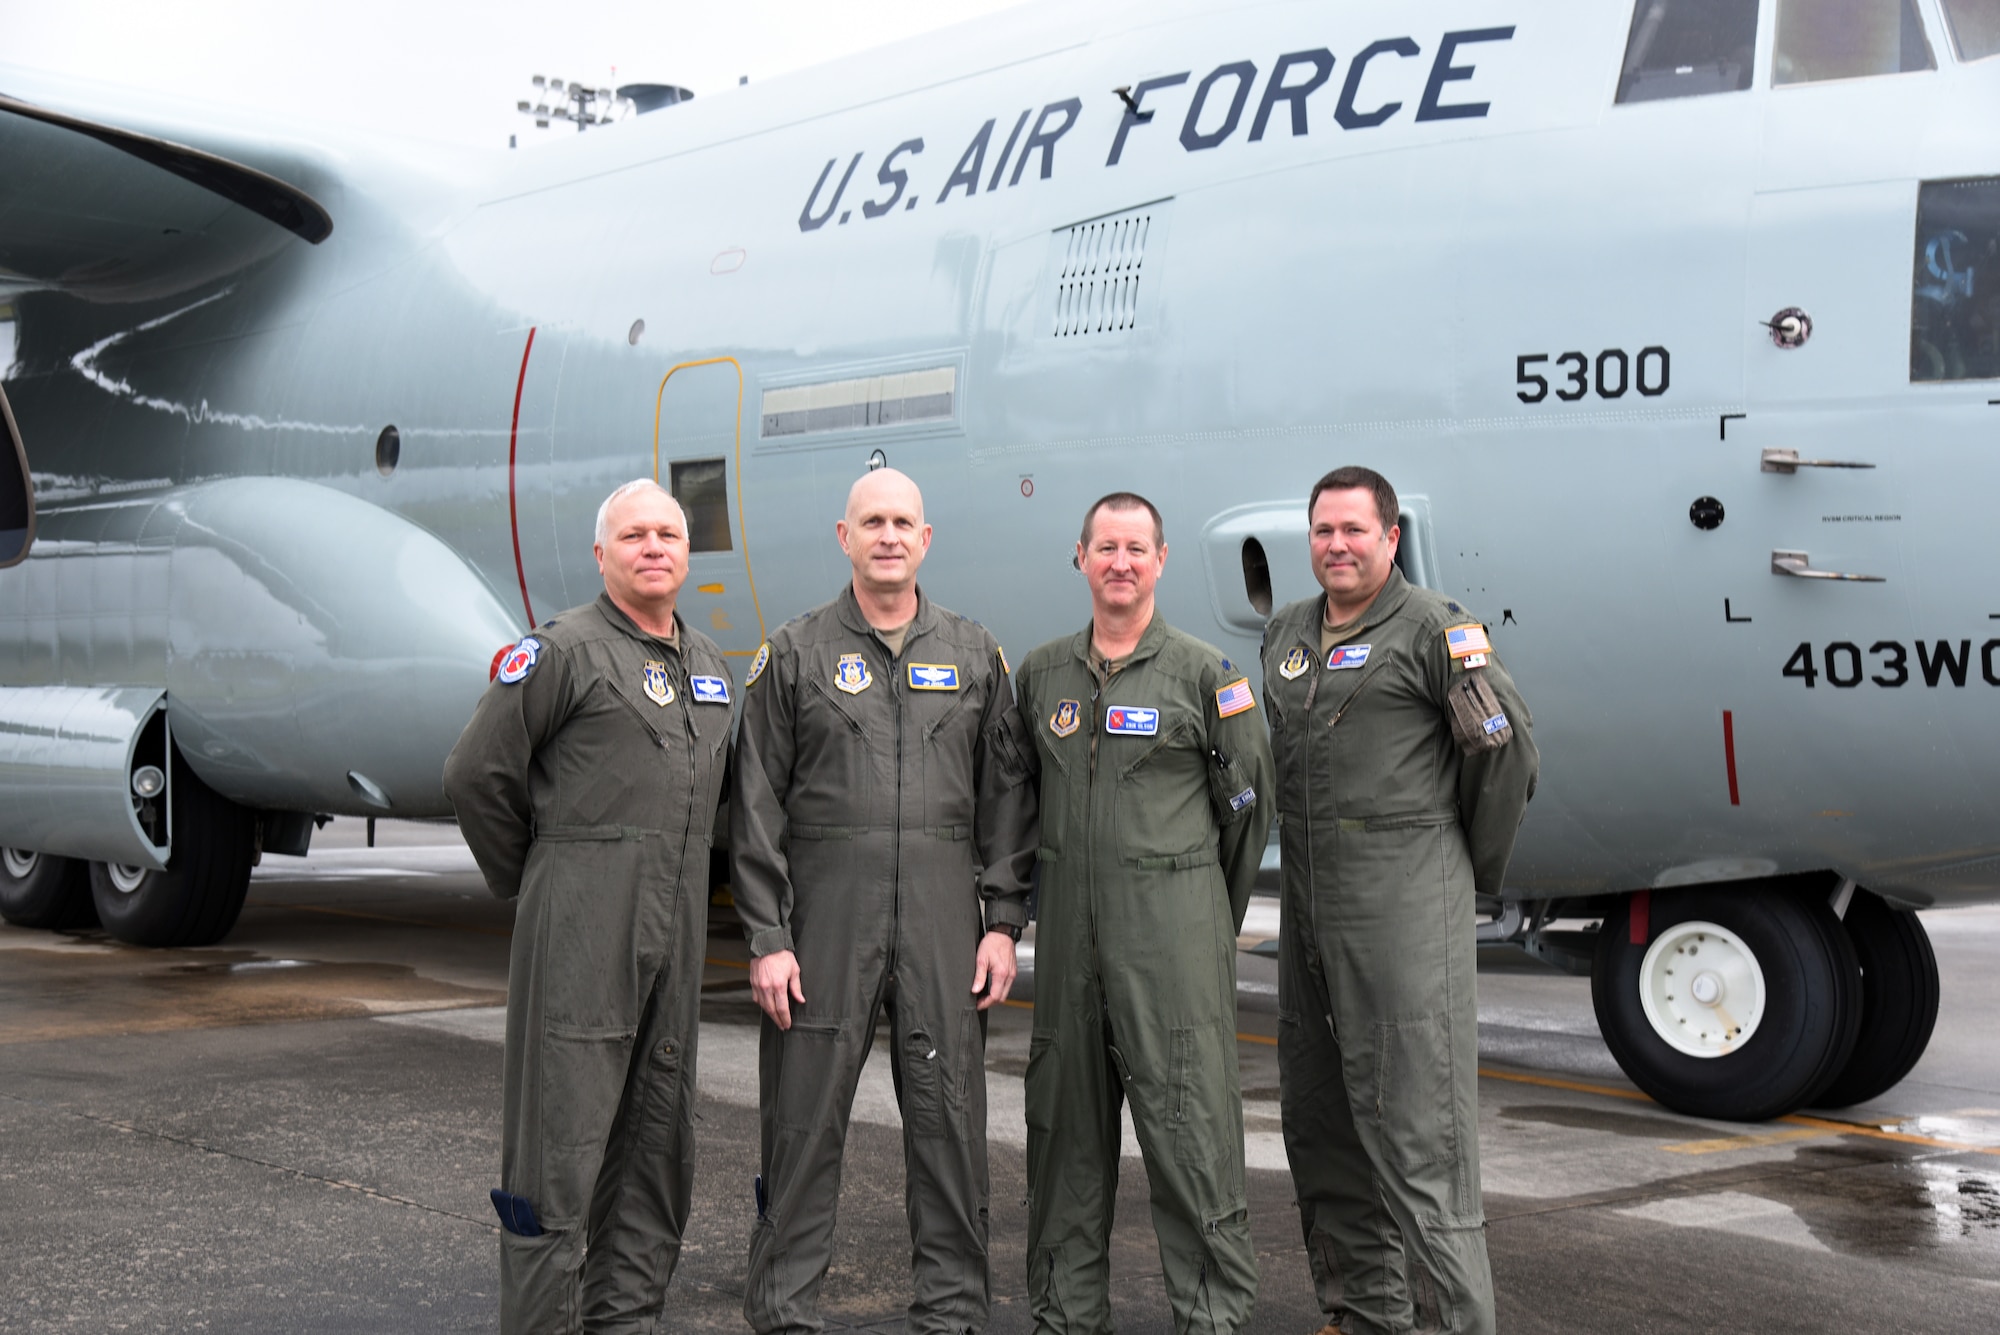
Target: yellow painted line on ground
pixel 1550 1082
pixel 1723 1144
pixel 1882 1133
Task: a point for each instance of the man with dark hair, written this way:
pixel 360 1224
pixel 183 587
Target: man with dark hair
pixel 1154 771
pixel 1405 766
pixel 586 783
pixel 882 834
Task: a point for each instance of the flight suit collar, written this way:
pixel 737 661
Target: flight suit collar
pixel 1149 643
pixel 852 618
pixel 1395 592
pixel 615 615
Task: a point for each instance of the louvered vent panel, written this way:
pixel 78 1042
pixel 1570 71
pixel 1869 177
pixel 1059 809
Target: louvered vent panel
pixel 1097 285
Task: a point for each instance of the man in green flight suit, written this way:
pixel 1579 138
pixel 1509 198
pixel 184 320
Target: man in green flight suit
pixel 1155 785
pixel 1405 766
pixel 586 783
pixel 880 798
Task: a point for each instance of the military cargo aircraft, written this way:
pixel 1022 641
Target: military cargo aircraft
pixel 1676 324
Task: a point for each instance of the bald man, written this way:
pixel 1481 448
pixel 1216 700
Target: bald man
pixel 586 784
pixel 881 834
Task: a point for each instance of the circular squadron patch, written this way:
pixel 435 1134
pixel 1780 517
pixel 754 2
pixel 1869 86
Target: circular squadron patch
pixel 521 660
pixel 758 664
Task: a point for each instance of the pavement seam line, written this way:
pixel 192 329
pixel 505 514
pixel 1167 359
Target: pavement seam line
pixel 341 1184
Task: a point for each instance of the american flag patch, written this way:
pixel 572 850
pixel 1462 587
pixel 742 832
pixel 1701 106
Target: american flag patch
pixel 1465 640
pixel 1234 699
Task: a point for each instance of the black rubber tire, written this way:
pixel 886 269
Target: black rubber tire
pixel 196 900
pixel 54 894
pixel 1812 1003
pixel 1899 1000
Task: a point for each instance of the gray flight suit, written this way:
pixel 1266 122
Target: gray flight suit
pixel 1152 832
pixel 878 801
pixel 578 789
pixel 1388 826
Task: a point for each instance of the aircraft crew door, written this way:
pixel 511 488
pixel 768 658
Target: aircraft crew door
pixel 697 456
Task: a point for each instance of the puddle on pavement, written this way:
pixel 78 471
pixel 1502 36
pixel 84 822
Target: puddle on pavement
pixel 58 993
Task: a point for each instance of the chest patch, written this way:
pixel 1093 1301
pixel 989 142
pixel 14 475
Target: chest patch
pixel 1067 718
pixel 1464 641
pixel 933 676
pixel 520 660
pixel 1295 663
pixel 709 690
pixel 1135 720
pixel 850 674
pixel 1348 656
pixel 654 678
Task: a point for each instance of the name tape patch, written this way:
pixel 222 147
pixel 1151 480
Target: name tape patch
pixel 933 676
pixel 1348 656
pixel 1494 724
pixel 1133 720
pixel 1243 799
pixel 709 690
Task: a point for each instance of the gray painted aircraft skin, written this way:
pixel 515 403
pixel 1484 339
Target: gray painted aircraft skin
pixel 918 253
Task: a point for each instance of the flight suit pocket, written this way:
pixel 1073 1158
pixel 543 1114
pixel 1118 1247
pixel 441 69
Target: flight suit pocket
pixel 808 1072
pixel 1202 1093
pixel 934 1069
pixel 1043 1102
pixel 1229 787
pixel 1414 1107
pixel 582 1079
pixel 666 1110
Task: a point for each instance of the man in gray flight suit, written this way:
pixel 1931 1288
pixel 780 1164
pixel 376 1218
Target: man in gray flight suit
pixel 1155 797
pixel 1405 766
pixel 880 797
pixel 587 784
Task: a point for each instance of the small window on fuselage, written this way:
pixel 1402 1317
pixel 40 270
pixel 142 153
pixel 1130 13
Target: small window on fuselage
pixel 1975 27
pixel 1688 48
pixel 1955 292
pixel 702 488
pixel 1820 40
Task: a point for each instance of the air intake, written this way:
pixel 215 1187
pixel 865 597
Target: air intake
pixel 1097 282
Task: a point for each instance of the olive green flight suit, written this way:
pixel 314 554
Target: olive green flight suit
pixel 578 789
pixel 879 799
pixel 1152 833
pixel 1387 829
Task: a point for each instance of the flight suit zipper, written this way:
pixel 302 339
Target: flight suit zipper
pixel 896 863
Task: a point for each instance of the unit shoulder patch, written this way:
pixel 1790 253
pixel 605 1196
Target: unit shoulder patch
pixel 1463 641
pixel 1234 698
pixel 520 661
pixel 933 676
pixel 758 664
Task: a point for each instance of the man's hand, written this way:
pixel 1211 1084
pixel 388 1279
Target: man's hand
pixel 993 969
pixel 775 977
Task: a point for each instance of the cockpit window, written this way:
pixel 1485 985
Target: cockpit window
pixel 1848 39
pixel 1686 48
pixel 1955 296
pixel 1975 27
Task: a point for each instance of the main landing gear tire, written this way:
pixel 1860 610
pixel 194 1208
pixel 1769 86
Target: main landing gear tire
pixel 1899 1000
pixel 37 890
pixel 196 900
pixel 1738 1003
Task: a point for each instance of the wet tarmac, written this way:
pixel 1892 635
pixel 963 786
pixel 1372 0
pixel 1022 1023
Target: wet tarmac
pixel 296 1131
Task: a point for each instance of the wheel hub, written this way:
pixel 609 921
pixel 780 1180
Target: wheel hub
pixel 125 878
pixel 1702 989
pixel 20 865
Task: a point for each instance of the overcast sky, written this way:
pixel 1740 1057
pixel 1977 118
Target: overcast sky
pixel 448 70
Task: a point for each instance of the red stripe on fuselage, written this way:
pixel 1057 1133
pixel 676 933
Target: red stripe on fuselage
pixel 1729 754
pixel 513 510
